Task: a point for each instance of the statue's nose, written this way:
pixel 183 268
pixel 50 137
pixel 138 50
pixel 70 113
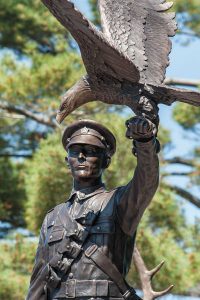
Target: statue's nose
pixel 81 156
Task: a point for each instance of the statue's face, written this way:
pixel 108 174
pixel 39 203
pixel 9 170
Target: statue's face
pixel 86 161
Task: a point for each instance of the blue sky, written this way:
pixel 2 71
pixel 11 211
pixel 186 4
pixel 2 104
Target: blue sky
pixel 184 64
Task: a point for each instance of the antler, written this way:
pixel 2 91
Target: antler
pixel 146 277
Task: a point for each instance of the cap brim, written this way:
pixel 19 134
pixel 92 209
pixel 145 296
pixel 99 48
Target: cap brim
pixel 87 140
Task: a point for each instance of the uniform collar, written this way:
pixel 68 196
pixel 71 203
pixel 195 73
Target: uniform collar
pixel 87 193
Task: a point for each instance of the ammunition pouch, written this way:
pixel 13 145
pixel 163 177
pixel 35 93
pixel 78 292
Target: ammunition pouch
pixel 53 280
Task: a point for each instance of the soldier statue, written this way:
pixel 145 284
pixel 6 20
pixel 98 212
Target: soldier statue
pixel 86 243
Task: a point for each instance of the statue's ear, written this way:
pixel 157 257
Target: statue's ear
pixel 67 162
pixel 107 162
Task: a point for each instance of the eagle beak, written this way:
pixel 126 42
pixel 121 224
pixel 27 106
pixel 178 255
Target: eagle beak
pixel 60 116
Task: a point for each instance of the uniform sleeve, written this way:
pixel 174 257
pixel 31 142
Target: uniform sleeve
pixel 37 283
pixel 133 198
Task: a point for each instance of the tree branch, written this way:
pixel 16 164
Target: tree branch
pixel 22 111
pixel 165 174
pixel 182 82
pixel 16 112
pixel 185 194
pixel 16 155
pixel 191 34
pixel 182 161
pixel 11 116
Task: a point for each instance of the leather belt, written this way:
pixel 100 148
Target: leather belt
pixel 87 288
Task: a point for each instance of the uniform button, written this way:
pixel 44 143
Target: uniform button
pixel 75 231
pixel 71 275
pixel 81 195
pixel 68 247
pixel 98 228
pixel 59 262
pixel 52 278
pixel 53 223
pixel 51 236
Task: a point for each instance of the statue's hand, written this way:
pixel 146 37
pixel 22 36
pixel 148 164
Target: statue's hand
pixel 140 129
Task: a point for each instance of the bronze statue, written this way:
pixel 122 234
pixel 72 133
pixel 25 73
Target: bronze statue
pixel 126 62
pixel 86 244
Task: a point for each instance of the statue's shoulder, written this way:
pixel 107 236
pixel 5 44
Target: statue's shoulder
pixel 109 195
pixel 56 208
pixel 53 212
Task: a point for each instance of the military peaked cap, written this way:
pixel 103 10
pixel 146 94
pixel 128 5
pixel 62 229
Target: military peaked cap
pixel 89 132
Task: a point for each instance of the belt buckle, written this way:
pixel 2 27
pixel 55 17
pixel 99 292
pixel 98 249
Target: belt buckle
pixel 130 292
pixel 71 288
pixel 127 294
pixel 90 250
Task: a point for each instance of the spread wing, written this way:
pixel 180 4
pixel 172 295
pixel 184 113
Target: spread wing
pixel 168 95
pixel 100 56
pixel 141 30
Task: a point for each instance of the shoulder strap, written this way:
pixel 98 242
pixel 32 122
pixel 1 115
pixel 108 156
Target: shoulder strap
pixel 105 264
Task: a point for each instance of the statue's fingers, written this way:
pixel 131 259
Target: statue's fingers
pixel 142 126
pixel 133 128
pixel 129 130
pixel 133 124
pixel 152 127
pixel 146 127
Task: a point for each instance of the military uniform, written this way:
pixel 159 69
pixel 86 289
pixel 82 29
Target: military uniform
pixel 84 240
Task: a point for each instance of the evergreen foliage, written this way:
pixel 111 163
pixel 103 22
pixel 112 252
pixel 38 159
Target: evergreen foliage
pixel 39 61
pixel 16 262
pixel 12 194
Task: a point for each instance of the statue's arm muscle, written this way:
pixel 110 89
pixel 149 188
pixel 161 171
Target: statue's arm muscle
pixel 133 198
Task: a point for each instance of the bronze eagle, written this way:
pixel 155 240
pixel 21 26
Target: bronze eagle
pixel 127 60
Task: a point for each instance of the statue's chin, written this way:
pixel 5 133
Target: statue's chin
pixel 86 174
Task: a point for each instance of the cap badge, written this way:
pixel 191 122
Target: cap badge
pixel 85 130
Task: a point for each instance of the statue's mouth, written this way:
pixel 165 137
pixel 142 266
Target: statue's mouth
pixel 81 167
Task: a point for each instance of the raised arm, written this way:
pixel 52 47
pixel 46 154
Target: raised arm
pixel 133 198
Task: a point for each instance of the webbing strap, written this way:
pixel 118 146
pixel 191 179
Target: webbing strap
pixel 105 264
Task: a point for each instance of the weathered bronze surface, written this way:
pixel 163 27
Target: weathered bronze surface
pixel 86 244
pixel 126 62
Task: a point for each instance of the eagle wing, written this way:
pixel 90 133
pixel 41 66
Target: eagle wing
pixel 100 56
pixel 167 95
pixel 141 30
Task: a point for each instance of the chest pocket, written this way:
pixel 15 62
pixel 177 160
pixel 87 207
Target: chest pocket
pixel 102 233
pixel 87 218
pixel 56 235
pixel 103 228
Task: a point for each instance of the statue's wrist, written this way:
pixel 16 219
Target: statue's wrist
pixel 151 143
pixel 145 139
